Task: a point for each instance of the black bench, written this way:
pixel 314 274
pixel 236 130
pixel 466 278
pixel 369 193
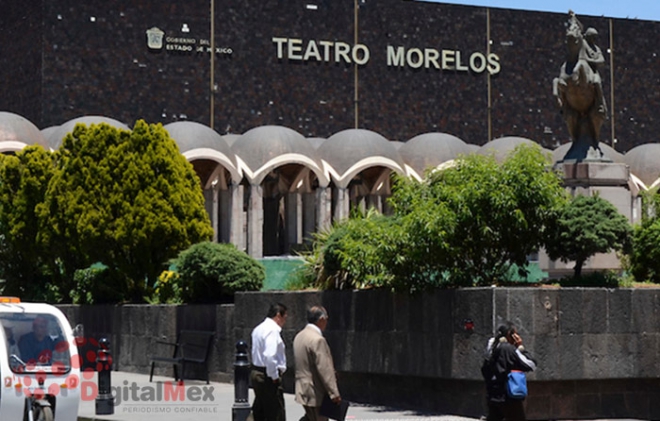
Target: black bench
pixel 191 347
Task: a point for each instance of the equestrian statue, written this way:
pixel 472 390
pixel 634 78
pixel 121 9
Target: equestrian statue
pixel 579 91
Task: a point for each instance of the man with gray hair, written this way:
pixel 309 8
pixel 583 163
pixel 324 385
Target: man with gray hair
pixel 315 370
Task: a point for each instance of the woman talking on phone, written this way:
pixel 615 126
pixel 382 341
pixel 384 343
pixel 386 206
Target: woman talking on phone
pixel 505 354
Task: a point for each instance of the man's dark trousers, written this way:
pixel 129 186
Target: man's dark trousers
pixel 268 397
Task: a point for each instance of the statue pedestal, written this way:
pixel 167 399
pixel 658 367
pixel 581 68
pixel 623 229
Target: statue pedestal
pixel 586 177
pixel 611 181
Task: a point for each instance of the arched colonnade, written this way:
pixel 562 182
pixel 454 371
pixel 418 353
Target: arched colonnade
pixel 269 189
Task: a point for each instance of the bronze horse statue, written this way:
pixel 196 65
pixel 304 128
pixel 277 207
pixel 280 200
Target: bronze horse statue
pixel 579 92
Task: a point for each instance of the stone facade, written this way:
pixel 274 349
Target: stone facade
pixel 65 58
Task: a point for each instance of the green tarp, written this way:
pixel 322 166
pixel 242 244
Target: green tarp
pixel 278 271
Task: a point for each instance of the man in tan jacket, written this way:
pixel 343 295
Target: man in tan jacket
pixel 315 371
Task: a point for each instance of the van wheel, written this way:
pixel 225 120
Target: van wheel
pixel 42 413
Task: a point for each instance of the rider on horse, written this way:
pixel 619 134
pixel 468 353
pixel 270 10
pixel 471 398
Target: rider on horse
pixel 592 54
pixel 578 88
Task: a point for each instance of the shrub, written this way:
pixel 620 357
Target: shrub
pixel 645 262
pixel 167 289
pixel 353 254
pixel 99 284
pixel 212 273
pixel 600 279
pixel 370 251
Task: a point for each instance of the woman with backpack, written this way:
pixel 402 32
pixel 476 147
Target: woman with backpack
pixel 506 354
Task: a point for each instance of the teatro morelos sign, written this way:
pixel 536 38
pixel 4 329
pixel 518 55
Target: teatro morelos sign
pixel 397 56
pixel 342 52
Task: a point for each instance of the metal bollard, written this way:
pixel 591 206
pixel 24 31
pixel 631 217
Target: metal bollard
pixel 105 402
pixel 241 409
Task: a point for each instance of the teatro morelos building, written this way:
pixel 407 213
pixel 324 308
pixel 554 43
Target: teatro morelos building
pixel 293 112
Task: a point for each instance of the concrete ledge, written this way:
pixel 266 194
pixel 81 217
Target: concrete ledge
pixel 596 173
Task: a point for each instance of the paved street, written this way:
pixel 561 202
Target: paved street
pixel 212 402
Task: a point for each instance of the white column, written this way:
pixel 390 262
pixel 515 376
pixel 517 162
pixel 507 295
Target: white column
pixel 308 216
pixel 214 213
pixel 323 209
pixel 375 201
pixel 343 204
pixel 293 215
pixel 237 231
pixel 255 228
pixel 362 204
pixel 225 204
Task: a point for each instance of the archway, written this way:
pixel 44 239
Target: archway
pixel 289 209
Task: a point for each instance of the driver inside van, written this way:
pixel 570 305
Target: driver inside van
pixel 37 346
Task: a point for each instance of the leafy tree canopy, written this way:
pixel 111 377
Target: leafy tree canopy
pixel 128 200
pixel 24 264
pixel 464 225
pixel 585 226
pixel 645 254
pixel 487 215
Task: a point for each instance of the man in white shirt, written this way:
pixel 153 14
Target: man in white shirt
pixel 268 365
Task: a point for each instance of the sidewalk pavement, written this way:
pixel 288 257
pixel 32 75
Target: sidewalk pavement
pixel 213 402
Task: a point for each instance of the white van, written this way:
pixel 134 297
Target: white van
pixel 39 363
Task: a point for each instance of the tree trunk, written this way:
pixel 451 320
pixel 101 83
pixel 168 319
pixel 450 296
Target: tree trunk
pixel 578 268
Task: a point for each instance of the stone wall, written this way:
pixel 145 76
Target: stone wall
pixel 597 349
pixel 136 332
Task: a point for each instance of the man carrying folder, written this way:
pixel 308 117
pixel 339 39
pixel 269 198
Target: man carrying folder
pixel 315 371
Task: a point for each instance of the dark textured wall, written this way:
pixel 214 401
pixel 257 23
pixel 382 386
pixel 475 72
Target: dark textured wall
pixel 64 58
pixel 134 332
pixel 597 349
pixel 636 78
pixel 21 37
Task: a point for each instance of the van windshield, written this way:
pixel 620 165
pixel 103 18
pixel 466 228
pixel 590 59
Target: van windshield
pixel 35 342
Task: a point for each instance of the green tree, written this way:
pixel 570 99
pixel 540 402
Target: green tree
pixel 465 225
pixel 585 226
pixel 352 255
pixel 372 251
pixel 489 215
pixel 212 273
pixel 126 199
pixel 421 254
pixel 645 253
pixel 24 263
